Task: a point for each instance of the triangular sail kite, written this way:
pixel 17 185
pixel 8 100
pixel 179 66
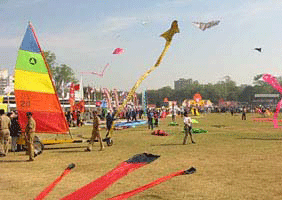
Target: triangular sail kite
pixel 34 89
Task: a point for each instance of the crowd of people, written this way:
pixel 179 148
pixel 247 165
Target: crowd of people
pixel 10 131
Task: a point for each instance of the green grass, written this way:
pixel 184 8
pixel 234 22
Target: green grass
pixel 235 160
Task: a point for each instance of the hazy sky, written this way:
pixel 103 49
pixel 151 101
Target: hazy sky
pixel 83 34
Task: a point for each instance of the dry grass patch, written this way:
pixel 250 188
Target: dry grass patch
pixel 241 160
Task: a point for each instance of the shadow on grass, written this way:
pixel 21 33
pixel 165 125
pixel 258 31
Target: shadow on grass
pixel 13 161
pixel 72 147
pixel 69 151
pixel 152 196
pixel 259 138
pixel 167 144
pixel 218 126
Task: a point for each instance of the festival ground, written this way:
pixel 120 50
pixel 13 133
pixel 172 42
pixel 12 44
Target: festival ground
pixel 235 160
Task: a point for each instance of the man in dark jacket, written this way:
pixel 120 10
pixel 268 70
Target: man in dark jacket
pixel 109 122
pixel 15 131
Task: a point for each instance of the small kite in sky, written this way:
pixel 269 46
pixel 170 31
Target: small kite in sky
pixel 97 73
pixel 203 26
pixel 257 49
pixel 118 51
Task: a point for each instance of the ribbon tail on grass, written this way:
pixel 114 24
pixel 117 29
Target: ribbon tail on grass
pixel 48 189
pixel 152 184
pixel 94 188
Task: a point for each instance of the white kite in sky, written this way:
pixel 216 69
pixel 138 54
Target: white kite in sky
pixel 203 26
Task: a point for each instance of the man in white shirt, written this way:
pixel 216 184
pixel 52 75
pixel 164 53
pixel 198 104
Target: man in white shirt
pixel 187 128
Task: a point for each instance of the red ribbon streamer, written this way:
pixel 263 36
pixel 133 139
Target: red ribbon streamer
pixel 94 188
pixel 48 189
pixel 152 184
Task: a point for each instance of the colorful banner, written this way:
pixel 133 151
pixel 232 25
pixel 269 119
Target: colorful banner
pixel 34 89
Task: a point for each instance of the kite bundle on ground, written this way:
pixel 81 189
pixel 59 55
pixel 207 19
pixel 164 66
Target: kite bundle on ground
pixel 160 133
pixel 97 186
pixel 197 130
pixel 173 124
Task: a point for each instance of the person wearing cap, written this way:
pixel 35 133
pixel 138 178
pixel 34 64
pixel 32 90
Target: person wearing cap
pixel 4 133
pixel 29 132
pixel 95 133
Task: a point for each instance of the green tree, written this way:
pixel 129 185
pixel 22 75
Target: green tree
pixel 60 73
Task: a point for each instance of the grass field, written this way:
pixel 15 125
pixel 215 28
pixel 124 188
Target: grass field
pixel 235 160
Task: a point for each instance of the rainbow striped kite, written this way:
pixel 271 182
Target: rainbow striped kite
pixel 34 89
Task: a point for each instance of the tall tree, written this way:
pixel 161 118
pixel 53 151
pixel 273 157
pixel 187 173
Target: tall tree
pixel 60 73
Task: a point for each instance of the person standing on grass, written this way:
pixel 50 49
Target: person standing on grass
pixel 15 131
pixel 150 120
pixel 156 118
pixel 95 133
pixel 5 124
pixel 244 113
pixel 173 113
pixel 187 128
pixel 29 132
pixel 109 122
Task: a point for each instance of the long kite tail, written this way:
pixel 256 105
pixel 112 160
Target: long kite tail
pixel 152 184
pixel 48 189
pixel 102 73
pixel 168 35
pixel 94 188
pixel 271 80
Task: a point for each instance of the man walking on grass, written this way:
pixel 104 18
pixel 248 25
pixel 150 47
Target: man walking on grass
pixel 95 133
pixel 187 128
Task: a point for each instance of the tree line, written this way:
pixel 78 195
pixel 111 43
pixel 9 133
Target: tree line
pixel 226 89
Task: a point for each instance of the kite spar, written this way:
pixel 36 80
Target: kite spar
pixel 168 37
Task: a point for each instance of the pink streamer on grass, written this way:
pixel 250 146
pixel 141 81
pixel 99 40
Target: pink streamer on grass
pixel 271 80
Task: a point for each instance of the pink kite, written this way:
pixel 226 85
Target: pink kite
pixel 118 51
pixel 271 80
pixel 96 73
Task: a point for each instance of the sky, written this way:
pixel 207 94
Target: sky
pixel 83 35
